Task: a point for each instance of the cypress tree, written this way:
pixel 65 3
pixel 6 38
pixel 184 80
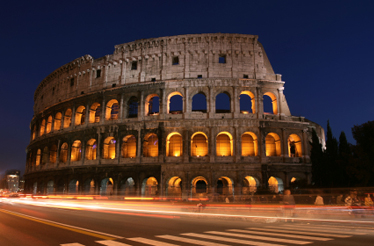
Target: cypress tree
pixel 317 158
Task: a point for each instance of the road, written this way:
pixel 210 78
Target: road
pixel 25 224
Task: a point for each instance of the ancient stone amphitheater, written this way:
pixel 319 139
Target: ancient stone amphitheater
pixel 181 116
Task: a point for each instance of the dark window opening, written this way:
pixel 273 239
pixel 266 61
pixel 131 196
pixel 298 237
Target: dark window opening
pixel 154 105
pixel 53 90
pixel 153 79
pixel 223 103
pixel 133 107
pixel 176 104
pixel 134 65
pixel 245 102
pixel 200 186
pixel 114 85
pixel 199 76
pixel 72 82
pixel 175 60
pixel 222 59
pixel 98 73
pixel 245 76
pixel 199 103
pixel 82 92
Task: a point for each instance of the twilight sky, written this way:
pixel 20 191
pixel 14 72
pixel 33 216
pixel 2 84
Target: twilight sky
pixel 323 49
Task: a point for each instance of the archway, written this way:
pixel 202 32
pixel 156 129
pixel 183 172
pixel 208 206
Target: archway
pixel 80 115
pixel 249 144
pixel 152 105
pixel 133 107
pixel 57 124
pixel 275 184
pixel 95 112
pixel 89 187
pixel 73 186
pixel 223 104
pixel 50 187
pixel 112 109
pixel 67 118
pixel 76 151
pixel 91 149
pixel 106 187
pixel 175 103
pixel 174 187
pixel 199 186
pixel 49 124
pixel 127 187
pixel 273 144
pixel 174 144
pixel 294 146
pixel 53 154
pixel 42 128
pixel 129 146
pixel 225 186
pixel 270 103
pixel 247 102
pixel 250 185
pixel 150 187
pixel 199 103
pixel 64 152
pixel 109 148
pixel 224 145
pixel 150 145
pixel 199 144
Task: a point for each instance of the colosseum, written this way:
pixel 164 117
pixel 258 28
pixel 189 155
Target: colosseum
pixel 186 116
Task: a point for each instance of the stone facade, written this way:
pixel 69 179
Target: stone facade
pixel 108 125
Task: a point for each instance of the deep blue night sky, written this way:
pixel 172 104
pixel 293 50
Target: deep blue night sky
pixel 323 49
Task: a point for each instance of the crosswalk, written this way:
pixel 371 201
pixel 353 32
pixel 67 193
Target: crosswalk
pixel 260 236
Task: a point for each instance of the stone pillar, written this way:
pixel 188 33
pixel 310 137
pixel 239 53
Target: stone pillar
pixel 83 156
pixel 121 106
pixel 186 145
pixel 262 145
pixel 186 104
pixel 123 71
pixel 212 145
pixel 69 153
pixel 58 152
pixel 72 118
pixel 211 107
pixel 280 97
pixel 118 149
pixel 141 108
pixel 237 142
pixel 236 102
pixel 103 111
pixel 163 104
pixel 98 149
pixel 87 117
pixel 139 151
pixel 260 103
pixel 284 142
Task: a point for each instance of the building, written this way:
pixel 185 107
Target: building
pixel 12 178
pixel 172 116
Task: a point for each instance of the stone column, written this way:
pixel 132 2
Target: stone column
pixel 83 155
pixel 280 97
pixel 87 117
pixel 186 144
pixel 139 151
pixel 98 149
pixel 284 143
pixel 141 108
pixel 121 106
pixel 186 104
pixel 103 111
pixel 212 145
pixel 211 107
pixel 73 118
pixel 123 71
pixel 236 102
pixel 259 103
pixel 237 143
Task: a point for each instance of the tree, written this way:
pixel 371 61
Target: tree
pixel 318 160
pixel 344 158
pixel 331 153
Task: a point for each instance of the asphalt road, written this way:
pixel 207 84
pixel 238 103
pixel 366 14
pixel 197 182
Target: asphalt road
pixel 33 225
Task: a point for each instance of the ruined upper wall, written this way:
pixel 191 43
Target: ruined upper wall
pixel 154 59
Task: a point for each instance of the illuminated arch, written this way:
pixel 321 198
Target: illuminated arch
pixel 223 99
pixel 42 128
pixel 57 125
pixel 174 188
pixel 152 104
pixel 150 145
pixel 91 149
pixel 95 112
pixel 224 144
pixel 199 144
pixel 174 144
pixel 249 144
pixel 34 132
pixel 89 187
pixel 53 154
pixel 76 151
pixel 38 157
pixel 109 148
pixel 149 187
pixel 64 152
pixel 250 185
pixel 275 184
pixel 112 109
pixel 49 124
pixel 106 187
pixel 196 105
pixel 199 185
pixel 224 186
pixel 67 118
pixel 273 144
pixel 253 105
pixel 175 93
pixel 73 186
pixel 127 187
pixel 129 146
pixel 294 146
pixel 80 115
pixel 45 156
pixel 273 101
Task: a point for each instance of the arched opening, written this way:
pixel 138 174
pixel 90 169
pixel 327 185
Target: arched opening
pixel 42 128
pixel 275 184
pixel 89 187
pixel 174 144
pixel 95 112
pixel 73 186
pixel 250 185
pixel 112 109
pixel 133 107
pixel 223 104
pixel 247 102
pixel 80 115
pixel 199 102
pixel 224 146
pixel 53 154
pixel 45 156
pixel 129 146
pixel 33 132
pixel 174 187
pixel 152 105
pixel 64 152
pixel 76 151
pixel 49 124
pixel 199 144
pixel 199 186
pixel 38 157
pixel 109 148
pixel 57 125
pixel 150 187
pixel 294 146
pixel 249 144
pixel 270 103
pixel 150 145
pixel 50 187
pixel 224 186
pixel 106 187
pixel 91 149
pixel 67 118
pixel 175 103
pixel 273 144
pixel 127 187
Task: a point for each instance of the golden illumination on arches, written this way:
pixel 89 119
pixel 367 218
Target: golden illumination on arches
pixel 129 147
pixel 95 112
pixel 67 118
pixel 253 102
pixel 109 148
pixel 250 185
pixel 273 101
pixel 199 144
pixel 149 104
pixel 273 144
pixel 42 128
pixel 53 154
pixel 91 149
pixel 112 109
pixel 80 115
pixel 175 93
pixel 294 146
pixel 64 152
pixel 249 144
pixel 33 132
pixel 174 144
pixel 57 125
pixel 150 145
pixel 224 145
pixel 49 124
pixel 76 151
pixel 38 156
